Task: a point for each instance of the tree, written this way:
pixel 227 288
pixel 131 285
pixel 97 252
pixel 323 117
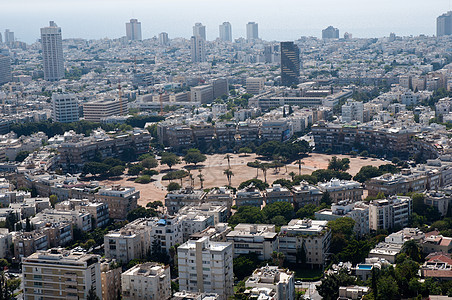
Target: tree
pixel 228 157
pixel 338 164
pixel 259 184
pixel 92 294
pixel 245 150
pixel 135 170
pixel 116 171
pixel 329 287
pixel 299 162
pixel 53 200
pixel 264 168
pixel 194 156
pixel 21 156
pixel 201 178
pixel 173 186
pixel 367 172
pixel 413 250
pixel 244 265
pixel 229 175
pixel 278 258
pixel 283 209
pixel 247 214
pixel 95 168
pixel 149 163
pixel 326 199
pixel 144 179
pixel 292 175
pixel 169 159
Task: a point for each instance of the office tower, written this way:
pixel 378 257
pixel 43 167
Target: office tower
pixel 97 110
pixel 220 87
pixel 163 39
pixel 52 52
pixel 330 33
pixel 9 37
pixel 5 69
pixel 290 63
pixel 199 30
pixel 206 266
pixel 150 280
pixel 226 32
pixel 254 86
pixel 133 30
pixel 444 24
pixel 61 274
pixel 65 108
pixel 198 49
pixel 252 31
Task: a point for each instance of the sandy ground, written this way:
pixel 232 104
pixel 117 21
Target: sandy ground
pixel 213 168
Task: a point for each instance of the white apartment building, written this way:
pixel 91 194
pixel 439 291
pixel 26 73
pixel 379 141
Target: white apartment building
pixel 146 281
pixel 199 30
pixel 61 274
pixel 206 266
pixel 409 98
pixel 277 193
pixel 220 213
pixel 270 282
pixel 260 239
pixel 311 236
pixel 443 106
pixel 65 108
pixel 198 49
pixel 254 85
pixel 389 213
pixel 6 240
pixel 358 211
pixel 352 111
pixel 163 39
pixel 81 219
pixel 52 52
pixel 97 110
pixel 202 94
pixel 133 30
pixel 167 231
pixel 340 190
pixel 276 130
pixel 225 32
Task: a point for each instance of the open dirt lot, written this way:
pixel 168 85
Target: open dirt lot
pixel 213 168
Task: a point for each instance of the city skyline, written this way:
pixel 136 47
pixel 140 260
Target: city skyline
pixel 287 23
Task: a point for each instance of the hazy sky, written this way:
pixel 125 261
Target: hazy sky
pixel 278 19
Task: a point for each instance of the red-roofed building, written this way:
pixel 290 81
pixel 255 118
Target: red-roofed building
pixel 438 267
pixel 437 243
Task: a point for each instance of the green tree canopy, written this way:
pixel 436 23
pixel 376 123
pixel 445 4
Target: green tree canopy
pixel 194 156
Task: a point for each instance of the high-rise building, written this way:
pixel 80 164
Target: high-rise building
pixel 199 30
pixel 52 52
pixel 226 32
pixel 163 39
pixel 290 63
pixel 133 30
pixel 444 24
pixel 65 108
pixel 220 87
pixel 198 49
pixel 254 85
pixel 9 37
pixel 96 110
pixel 206 266
pixel 252 31
pixel 61 274
pixel 5 69
pixel 352 111
pixel 330 33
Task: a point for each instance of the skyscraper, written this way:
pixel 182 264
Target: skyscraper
pixel 163 39
pixel 252 31
pixel 198 49
pixel 5 69
pixel 444 24
pixel 290 63
pixel 52 52
pixel 133 30
pixel 330 33
pixel 199 30
pixel 9 37
pixel 226 32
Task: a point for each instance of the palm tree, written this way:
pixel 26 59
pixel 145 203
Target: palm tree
pixel 299 162
pixel 228 157
pixel 292 175
pixel 201 178
pixel 192 179
pixel 229 175
pixel 264 169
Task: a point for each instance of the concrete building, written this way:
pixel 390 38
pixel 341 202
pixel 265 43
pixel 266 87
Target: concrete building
pixel 340 190
pixel 225 32
pixel 438 199
pixel 254 238
pixel 163 39
pixel 220 87
pixel 184 295
pixel 61 274
pixel 198 49
pixel 52 52
pixel 175 200
pixel 110 274
pixel 276 130
pixel 277 193
pixel 146 281
pixel 9 37
pixel 133 30
pixel 5 69
pixel 203 94
pixel 272 282
pixel 254 85
pixel 352 292
pixel 250 196
pixel 352 111
pixel 97 110
pixel 252 31
pixel 305 194
pixel 311 236
pixel 290 64
pixel 389 213
pixel 444 24
pixel 65 108
pixel 436 243
pixel 5 243
pixel 200 31
pixel 206 266
pixel 330 33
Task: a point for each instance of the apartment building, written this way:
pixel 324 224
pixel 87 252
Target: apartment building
pixel 254 238
pixel 352 111
pixel 169 231
pixel 255 86
pixel 175 200
pixel 98 210
pixel 389 213
pixel 271 282
pixel 276 130
pixel 305 194
pixel 340 190
pixel 221 196
pixel 61 274
pixel 277 193
pixel 184 295
pixel 311 236
pixel 97 110
pixel 110 275
pixel 438 199
pixel 82 220
pixel 120 200
pixel 206 266
pixel 358 211
pixel 249 196
pixel 434 242
pixel 6 240
pixel 219 213
pixel 65 108
pixel 150 280
pixel 203 94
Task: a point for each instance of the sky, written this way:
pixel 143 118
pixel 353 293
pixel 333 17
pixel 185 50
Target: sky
pixel 278 19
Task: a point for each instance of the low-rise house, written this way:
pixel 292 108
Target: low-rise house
pixel 434 242
pixel 438 267
pixel 352 292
